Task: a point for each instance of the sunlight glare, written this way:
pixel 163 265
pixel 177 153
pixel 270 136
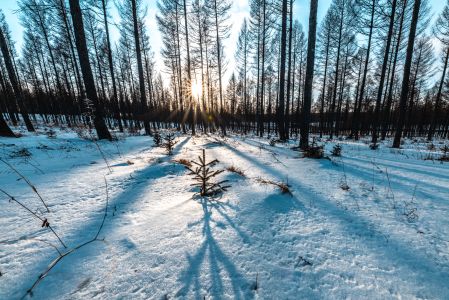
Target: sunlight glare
pixel 196 89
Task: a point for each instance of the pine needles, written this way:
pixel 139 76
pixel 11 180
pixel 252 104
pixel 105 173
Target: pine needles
pixel 201 170
pixel 169 143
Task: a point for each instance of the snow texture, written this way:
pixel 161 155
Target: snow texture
pixel 386 237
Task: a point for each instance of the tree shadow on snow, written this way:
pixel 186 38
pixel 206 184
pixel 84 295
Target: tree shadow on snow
pixel 396 252
pixel 133 187
pixel 220 264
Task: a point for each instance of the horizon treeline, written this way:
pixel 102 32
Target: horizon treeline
pixel 370 67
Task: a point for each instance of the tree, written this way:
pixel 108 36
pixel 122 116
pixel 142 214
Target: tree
pixel 406 77
pixel 13 79
pixel 143 93
pixel 83 54
pixel 281 105
pixel 111 66
pixel 441 31
pixel 383 72
pixel 304 142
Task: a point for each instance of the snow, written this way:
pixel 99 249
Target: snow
pixel 161 240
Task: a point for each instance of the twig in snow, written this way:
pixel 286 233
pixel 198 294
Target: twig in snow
pixel 44 221
pixel 27 181
pixel 61 256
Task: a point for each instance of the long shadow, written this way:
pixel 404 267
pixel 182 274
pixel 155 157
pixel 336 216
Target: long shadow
pixel 191 276
pixel 408 169
pixel 126 198
pixel 395 251
pixel 365 172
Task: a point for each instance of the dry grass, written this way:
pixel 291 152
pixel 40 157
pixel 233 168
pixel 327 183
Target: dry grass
pixel 283 187
pixel 236 170
pixel 184 162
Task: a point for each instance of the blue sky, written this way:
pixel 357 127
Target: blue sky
pixel 240 10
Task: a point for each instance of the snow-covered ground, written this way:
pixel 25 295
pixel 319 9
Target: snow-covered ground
pixel 162 241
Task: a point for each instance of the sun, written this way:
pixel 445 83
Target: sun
pixel 196 89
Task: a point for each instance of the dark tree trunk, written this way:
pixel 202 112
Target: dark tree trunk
pixel 143 95
pixel 382 74
pixel 438 99
pixel 13 79
pixel 281 100
pixel 406 77
pixel 289 71
pixel 111 69
pixel 356 121
pixel 83 54
pixel 189 70
pixel 304 141
pixel 387 106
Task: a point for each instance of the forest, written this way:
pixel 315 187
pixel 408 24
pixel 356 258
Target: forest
pixel 159 149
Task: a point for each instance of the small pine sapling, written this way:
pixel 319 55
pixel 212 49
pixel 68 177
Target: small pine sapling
pixel 273 142
pixel 203 174
pixel 157 139
pixel 336 150
pixel 169 143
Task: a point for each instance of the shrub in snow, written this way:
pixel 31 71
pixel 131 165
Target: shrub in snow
pixel 336 151
pixel 23 152
pixel 273 142
pixel 314 151
pixel 203 174
pixel 374 146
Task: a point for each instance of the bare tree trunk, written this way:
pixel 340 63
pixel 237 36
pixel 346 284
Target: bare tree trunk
pixel 189 70
pixel 83 54
pixel 406 77
pixel 382 74
pixel 304 141
pixel 356 121
pixel 289 71
pixel 13 79
pixel 111 69
pixel 143 95
pixel 387 106
pixel 438 98
pixel 281 100
pixel 223 125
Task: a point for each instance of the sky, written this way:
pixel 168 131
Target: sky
pixel 239 10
